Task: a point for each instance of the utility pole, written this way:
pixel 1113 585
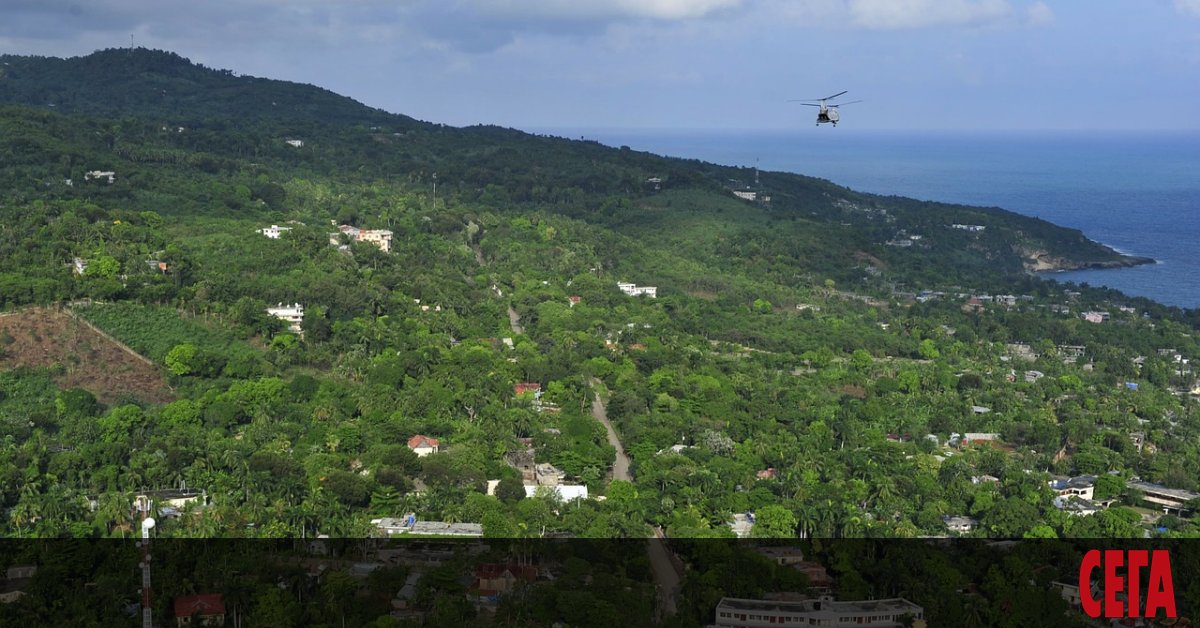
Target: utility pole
pixel 143 504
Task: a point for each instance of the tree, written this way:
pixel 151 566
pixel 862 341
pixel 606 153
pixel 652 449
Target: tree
pixel 774 522
pixel 181 360
pixel 510 490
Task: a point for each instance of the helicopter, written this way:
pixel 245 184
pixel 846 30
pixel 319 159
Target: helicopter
pixel 828 113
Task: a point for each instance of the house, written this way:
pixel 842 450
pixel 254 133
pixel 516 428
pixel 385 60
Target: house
pixel 564 492
pixel 423 445
pixel 746 196
pixel 1071 353
pixel 818 578
pixel 548 475
pixel 16 578
pixel 171 502
pixel 984 479
pixel 80 264
pixel 823 611
pixel 207 609
pixel 154 264
pixel 1082 486
pixel 783 556
pixel 973 305
pixel 1006 300
pixel 960 524
pixel 766 474
pixel 274 231
pixel 527 387
pixel 391 526
pixel 381 238
pixel 292 314
pixel 493 580
pixel 971 228
pixel 1169 499
pixel 635 290
pixel 574 300
pixel 295 143
pixel 1079 507
pixel 1033 376
pixel 107 175
pixel 742 523
pixel 1095 317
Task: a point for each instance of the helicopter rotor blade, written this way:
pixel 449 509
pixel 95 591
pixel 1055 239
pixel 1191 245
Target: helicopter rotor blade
pixel 845 103
pixel 835 95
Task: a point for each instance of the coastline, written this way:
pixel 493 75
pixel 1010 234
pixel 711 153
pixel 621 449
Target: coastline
pixel 1042 264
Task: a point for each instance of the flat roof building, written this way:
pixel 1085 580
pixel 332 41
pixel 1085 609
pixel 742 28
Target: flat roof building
pixel 824 611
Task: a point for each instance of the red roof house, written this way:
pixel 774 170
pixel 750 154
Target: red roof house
pixel 495 579
pixel 208 608
pixel 423 445
pixel 527 387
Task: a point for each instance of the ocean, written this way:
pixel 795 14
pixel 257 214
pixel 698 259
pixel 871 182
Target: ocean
pixel 1138 192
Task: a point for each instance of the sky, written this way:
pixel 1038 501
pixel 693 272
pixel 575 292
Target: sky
pixel 686 64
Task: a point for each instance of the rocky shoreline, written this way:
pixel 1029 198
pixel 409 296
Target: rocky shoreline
pixel 1049 264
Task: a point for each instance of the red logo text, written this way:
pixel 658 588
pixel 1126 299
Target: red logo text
pixel 1122 583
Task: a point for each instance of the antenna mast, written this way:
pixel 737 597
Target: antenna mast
pixel 143 504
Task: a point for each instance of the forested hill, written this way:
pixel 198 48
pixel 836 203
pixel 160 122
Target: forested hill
pixel 244 118
pixel 839 364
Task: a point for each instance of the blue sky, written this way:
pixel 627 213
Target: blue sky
pixel 696 64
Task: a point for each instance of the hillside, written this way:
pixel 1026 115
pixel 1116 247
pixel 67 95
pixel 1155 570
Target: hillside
pixel 815 358
pixel 507 168
pixel 839 364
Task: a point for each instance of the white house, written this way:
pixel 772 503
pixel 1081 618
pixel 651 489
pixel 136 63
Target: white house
pixel 1083 486
pixel 108 175
pixel 80 265
pixel 824 611
pixel 295 143
pixel 381 238
pixel 292 314
pixel 959 524
pixel 564 492
pixel 391 526
pixel 274 231
pixel 635 290
pixel 748 196
pixel 424 445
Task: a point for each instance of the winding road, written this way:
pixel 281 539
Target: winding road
pixel 666 575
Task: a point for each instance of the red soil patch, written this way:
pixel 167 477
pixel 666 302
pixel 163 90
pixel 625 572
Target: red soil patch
pixel 43 337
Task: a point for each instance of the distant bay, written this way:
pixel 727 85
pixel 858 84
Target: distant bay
pixel 1138 192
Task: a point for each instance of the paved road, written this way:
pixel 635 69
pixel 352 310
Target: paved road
pixel 666 575
pixel 621 465
pixel 514 319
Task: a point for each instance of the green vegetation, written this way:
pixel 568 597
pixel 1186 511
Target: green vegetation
pixel 787 367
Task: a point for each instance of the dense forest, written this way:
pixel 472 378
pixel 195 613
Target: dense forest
pixel 813 355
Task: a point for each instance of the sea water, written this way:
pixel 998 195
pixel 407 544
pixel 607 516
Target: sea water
pixel 1138 192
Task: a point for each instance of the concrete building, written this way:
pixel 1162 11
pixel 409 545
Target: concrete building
pixel 1082 486
pixel 424 445
pixel 960 524
pixel 274 231
pixel 1169 499
pixel 391 526
pixel 292 314
pixel 381 238
pixel 635 290
pixel 824 611
pixel 564 492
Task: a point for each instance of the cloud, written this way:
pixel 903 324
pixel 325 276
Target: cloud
pixel 1188 7
pixel 909 14
pixel 592 10
pixel 1039 14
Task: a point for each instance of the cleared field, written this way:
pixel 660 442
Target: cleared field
pixel 46 337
